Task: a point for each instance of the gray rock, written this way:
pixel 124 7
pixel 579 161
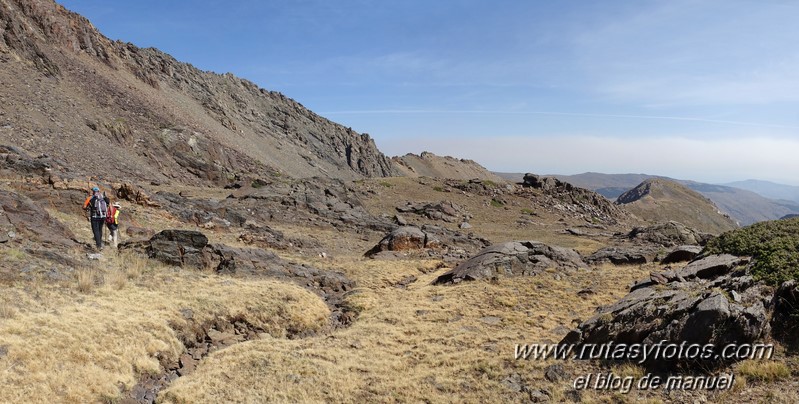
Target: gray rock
pixel 179 247
pixel 429 240
pixel 694 304
pixel 21 217
pixel 539 395
pixel 491 320
pixel 623 255
pixel 669 235
pixel 711 266
pixel 513 258
pixel 444 210
pixel 555 373
pixel 682 253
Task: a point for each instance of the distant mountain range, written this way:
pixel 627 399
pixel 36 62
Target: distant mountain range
pixel 741 202
pixel 768 189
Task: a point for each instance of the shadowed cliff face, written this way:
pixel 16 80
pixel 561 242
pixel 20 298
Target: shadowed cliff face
pixel 153 117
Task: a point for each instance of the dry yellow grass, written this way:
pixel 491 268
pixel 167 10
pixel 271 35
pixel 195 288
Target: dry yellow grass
pixel 763 370
pixel 62 347
pixel 422 343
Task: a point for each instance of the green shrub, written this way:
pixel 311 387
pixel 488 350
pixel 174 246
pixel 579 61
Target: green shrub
pixel 497 204
pixel 774 245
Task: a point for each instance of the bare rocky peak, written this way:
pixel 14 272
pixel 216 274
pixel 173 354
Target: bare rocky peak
pixel 156 117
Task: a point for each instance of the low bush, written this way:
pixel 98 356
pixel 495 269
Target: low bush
pixel 774 245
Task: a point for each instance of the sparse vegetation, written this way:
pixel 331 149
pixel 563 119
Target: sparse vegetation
pixel 86 278
pixel 774 245
pixel 14 254
pixel 766 371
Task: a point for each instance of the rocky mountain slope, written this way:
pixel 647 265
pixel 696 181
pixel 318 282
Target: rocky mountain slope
pixel 430 165
pixel 659 200
pixel 96 105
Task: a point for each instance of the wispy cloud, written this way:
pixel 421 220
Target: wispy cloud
pixel 555 113
pixel 689 52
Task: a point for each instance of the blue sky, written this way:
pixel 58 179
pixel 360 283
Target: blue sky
pixel 705 90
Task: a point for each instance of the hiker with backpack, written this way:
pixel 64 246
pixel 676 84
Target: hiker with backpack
pixel 112 221
pixel 96 206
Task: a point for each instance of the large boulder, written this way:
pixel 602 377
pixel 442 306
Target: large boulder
pixel 513 258
pixel 404 238
pixel 179 247
pixel 668 234
pixel 623 255
pixel 713 300
pixel 429 240
pixel 682 253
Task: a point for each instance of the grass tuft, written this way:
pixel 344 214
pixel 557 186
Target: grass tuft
pixel 86 279
pixel 764 370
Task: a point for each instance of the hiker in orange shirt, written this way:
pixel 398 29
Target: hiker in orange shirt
pixel 96 206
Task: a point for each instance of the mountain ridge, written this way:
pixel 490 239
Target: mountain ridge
pixel 744 206
pixel 660 200
pixel 182 123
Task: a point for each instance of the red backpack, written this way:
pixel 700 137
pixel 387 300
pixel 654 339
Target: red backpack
pixel 112 211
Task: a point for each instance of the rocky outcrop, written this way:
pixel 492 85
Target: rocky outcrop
pixel 666 242
pixel 713 300
pixel 682 253
pixel 444 210
pixel 623 255
pixel 24 220
pixel 432 241
pixel 513 259
pixel 669 234
pixel 545 183
pixel 578 201
pixel 179 247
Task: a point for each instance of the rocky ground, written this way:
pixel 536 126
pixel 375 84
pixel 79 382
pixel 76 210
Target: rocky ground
pixel 418 289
